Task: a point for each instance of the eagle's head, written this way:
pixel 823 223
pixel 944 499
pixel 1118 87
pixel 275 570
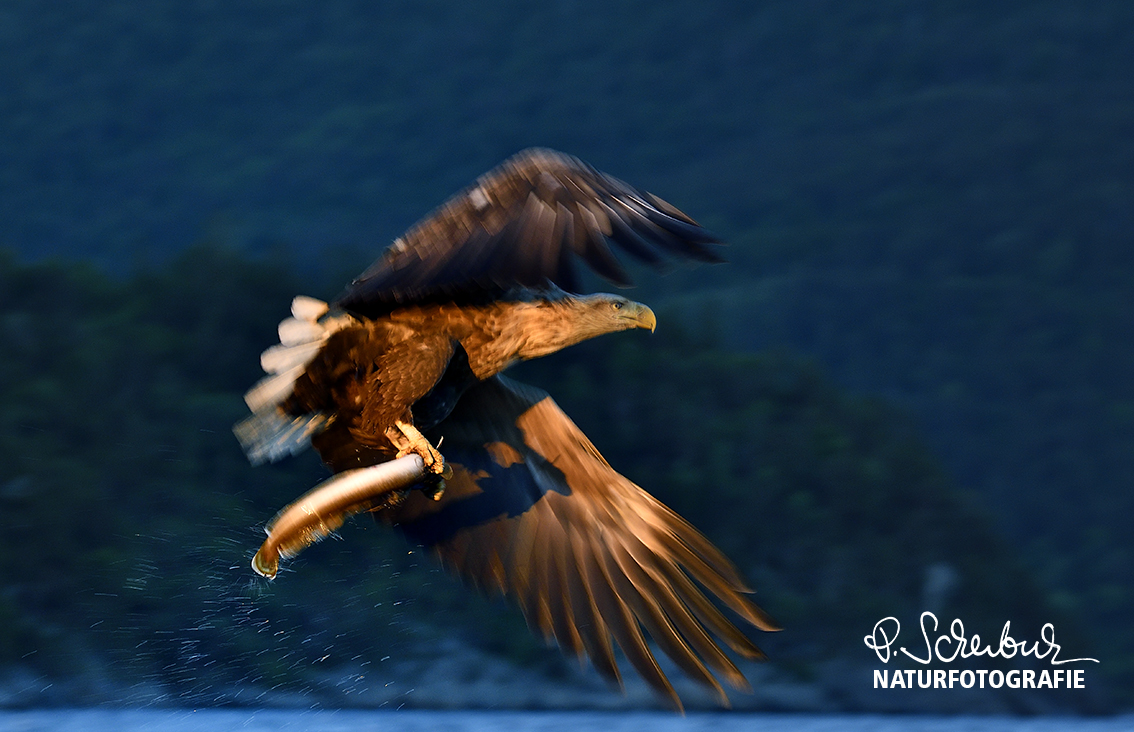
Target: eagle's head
pixel 551 324
pixel 603 313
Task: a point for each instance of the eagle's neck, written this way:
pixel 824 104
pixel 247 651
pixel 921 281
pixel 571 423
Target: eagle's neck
pixel 518 331
pixel 546 327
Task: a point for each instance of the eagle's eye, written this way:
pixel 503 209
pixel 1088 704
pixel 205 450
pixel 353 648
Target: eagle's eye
pixel 616 305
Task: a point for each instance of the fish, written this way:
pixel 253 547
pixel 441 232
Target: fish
pixel 323 509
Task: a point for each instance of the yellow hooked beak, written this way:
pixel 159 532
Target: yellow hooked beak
pixel 645 318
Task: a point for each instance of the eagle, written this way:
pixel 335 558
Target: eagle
pixel 513 497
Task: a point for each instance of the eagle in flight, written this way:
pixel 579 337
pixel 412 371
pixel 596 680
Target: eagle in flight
pixel 516 499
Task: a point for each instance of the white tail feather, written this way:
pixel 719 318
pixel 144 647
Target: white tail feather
pixel 270 391
pixel 280 358
pixel 294 332
pixel 308 308
pixel 269 434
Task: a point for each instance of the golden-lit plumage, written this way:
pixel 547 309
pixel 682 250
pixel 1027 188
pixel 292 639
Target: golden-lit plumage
pixel 531 508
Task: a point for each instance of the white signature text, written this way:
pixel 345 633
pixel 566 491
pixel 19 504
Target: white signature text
pixel 956 644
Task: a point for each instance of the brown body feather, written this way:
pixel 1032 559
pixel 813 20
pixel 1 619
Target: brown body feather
pixel 372 373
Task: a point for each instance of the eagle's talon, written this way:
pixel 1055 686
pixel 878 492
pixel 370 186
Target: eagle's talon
pixel 410 441
pixel 432 459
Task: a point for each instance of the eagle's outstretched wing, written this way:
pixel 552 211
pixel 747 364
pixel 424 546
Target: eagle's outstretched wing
pixel 521 225
pixel 535 512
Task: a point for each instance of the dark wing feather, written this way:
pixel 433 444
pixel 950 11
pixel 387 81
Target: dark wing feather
pixel 536 512
pixel 520 226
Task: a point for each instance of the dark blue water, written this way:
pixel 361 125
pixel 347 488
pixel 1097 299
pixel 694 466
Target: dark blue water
pixel 214 720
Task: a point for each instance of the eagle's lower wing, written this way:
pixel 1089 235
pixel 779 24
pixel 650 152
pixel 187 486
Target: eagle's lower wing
pixel 521 225
pixel 535 511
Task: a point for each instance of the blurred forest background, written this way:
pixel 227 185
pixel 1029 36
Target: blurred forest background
pixel 910 389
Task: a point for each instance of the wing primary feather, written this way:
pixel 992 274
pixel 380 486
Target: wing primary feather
pixel 690 232
pixel 666 208
pixel 668 240
pixel 563 234
pixel 622 232
pixel 645 207
pixel 534 601
pixel 454 553
pixel 549 230
pixel 493 573
pixel 670 524
pixel 558 601
pixel 635 587
pixel 598 224
pixel 477 560
pixel 622 624
pixel 720 586
pixel 592 630
pixel 533 245
pixel 709 615
pixel 671 533
pixel 657 574
pixel 590 243
pixel 518 560
pixel 650 231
